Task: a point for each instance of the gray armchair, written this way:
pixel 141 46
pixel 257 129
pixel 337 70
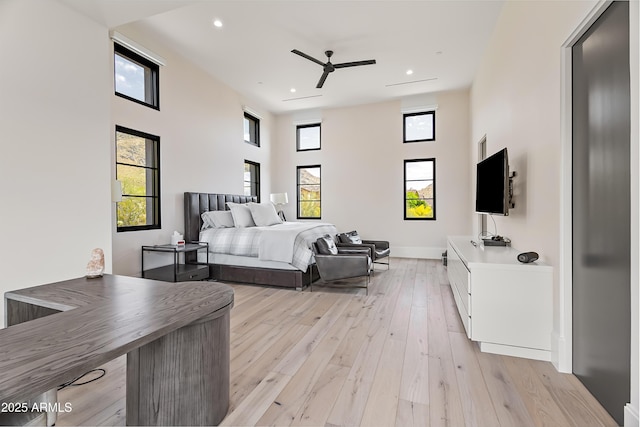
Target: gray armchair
pixel 341 263
pixel 379 248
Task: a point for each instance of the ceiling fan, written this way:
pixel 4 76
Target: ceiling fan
pixel 328 67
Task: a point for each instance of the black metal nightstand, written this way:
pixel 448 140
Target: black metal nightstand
pixel 180 268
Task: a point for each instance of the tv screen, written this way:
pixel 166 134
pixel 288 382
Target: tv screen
pixel 492 184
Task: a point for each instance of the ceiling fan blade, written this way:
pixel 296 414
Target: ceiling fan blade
pixel 354 64
pixel 322 79
pixel 310 58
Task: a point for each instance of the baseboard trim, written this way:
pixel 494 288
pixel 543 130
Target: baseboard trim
pixel 561 363
pixel 631 418
pixel 417 252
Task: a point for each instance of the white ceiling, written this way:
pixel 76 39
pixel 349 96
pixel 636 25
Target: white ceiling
pixel 441 41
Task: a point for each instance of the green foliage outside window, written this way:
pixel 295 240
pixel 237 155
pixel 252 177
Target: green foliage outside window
pixel 417 207
pixel 136 160
pixel 310 204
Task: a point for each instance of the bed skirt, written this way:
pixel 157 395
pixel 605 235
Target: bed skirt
pixel 264 276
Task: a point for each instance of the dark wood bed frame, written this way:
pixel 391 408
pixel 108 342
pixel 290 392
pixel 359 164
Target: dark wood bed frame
pixel 197 203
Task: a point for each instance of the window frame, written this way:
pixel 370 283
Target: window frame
pixel 256 120
pixel 404 189
pixel 309 125
pixel 155 185
pixel 152 85
pixel 298 210
pixel 255 180
pixel 431 113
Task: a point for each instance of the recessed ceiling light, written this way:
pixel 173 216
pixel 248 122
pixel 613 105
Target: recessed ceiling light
pixel 217 23
pixel 409 72
pixel 292 90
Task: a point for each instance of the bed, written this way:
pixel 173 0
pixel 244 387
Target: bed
pixel 254 263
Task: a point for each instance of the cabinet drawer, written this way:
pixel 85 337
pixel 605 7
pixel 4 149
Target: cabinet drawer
pixel 459 277
pixel 190 272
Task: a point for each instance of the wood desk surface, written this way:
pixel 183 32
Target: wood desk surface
pixel 101 319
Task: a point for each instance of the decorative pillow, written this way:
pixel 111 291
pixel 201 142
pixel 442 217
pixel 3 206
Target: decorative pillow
pixel 326 245
pixel 241 215
pixel 351 237
pixel 217 219
pixel 264 214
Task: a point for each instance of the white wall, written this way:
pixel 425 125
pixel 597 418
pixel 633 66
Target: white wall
pixel 54 176
pixel 362 171
pixel 516 102
pixel 200 124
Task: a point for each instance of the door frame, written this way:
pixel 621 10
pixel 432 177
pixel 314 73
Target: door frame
pixel 562 336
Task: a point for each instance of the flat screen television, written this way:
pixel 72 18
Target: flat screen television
pixel 492 184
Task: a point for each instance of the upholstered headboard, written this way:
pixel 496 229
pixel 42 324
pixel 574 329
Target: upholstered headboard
pixel 197 203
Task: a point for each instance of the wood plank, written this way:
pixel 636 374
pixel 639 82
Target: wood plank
pixel 577 404
pixel 353 397
pixel 541 406
pixel 314 313
pixel 249 411
pixel 507 401
pixel 382 404
pixel 444 395
pixel 248 377
pixel 451 315
pixel 289 402
pixel 412 414
pixel 257 342
pixel 299 353
pixel 415 370
pixel 400 321
pixel 474 396
pixel 318 403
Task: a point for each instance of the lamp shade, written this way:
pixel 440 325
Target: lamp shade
pixel 279 198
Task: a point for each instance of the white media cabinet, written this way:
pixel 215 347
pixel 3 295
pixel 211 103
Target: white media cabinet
pixel 506 306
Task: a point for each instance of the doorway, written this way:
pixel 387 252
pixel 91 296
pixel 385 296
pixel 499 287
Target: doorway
pixel 601 223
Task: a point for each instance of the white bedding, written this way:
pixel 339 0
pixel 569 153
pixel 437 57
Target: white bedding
pixel 289 242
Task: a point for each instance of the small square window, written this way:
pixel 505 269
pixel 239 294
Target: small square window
pixel 419 127
pixel 251 129
pixel 136 78
pixel 308 137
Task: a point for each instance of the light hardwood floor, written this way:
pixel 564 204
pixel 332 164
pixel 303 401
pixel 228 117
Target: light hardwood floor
pixel 335 356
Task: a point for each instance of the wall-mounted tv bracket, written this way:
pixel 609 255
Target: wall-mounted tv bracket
pixel 510 201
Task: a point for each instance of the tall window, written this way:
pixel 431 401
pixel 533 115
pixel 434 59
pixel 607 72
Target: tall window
pixel 308 183
pixel 251 129
pixel 136 78
pixel 308 137
pixel 252 179
pixel 420 189
pixel 419 127
pixel 138 169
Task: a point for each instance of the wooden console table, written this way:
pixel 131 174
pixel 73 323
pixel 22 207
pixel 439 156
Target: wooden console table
pixel 175 335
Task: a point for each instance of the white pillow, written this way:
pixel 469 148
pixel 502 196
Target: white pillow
pixel 241 215
pixel 217 219
pixel 264 214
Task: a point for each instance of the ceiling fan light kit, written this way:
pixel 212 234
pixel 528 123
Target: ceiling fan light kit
pixel 328 67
